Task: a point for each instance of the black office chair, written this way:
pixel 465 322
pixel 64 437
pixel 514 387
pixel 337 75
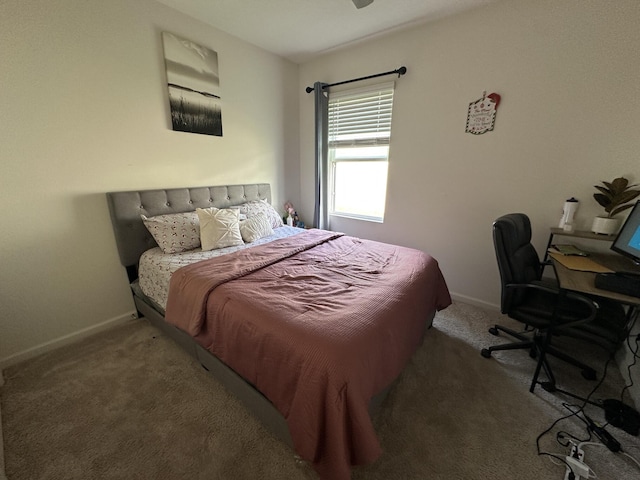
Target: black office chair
pixel 541 306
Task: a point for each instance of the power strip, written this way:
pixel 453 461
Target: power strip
pixel 580 453
pixel 576 459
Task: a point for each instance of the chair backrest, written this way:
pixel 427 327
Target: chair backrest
pixel 518 261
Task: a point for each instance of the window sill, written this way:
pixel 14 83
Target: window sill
pixel 358 217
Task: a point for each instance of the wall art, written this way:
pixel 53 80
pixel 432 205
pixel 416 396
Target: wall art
pixel 481 115
pixel 194 86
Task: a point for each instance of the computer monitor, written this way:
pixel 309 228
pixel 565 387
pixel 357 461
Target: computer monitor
pixel 627 242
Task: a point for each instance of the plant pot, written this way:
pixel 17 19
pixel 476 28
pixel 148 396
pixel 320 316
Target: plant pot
pixel 605 225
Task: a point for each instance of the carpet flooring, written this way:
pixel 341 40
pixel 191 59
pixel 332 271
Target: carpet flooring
pixel 128 403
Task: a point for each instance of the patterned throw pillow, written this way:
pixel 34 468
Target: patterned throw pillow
pixel 256 207
pixel 255 228
pixel 174 232
pixel 219 228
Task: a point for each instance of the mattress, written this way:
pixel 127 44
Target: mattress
pixel 155 268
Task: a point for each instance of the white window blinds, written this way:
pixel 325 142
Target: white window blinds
pixel 361 117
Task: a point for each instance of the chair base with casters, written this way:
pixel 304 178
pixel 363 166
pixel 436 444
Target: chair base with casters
pixel 533 340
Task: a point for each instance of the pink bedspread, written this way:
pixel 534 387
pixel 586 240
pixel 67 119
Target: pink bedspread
pixel 319 323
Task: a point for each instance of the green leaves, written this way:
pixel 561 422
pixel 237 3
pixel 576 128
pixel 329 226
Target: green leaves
pixel 614 196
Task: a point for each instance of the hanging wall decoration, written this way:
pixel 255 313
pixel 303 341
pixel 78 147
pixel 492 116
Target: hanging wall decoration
pixel 481 115
pixel 194 86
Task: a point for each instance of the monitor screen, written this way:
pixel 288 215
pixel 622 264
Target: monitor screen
pixel 628 240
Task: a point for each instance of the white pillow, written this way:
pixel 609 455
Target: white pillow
pixel 174 232
pixel 243 215
pixel 256 207
pixel 219 228
pixel 255 228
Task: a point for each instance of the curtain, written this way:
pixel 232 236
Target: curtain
pixel 321 213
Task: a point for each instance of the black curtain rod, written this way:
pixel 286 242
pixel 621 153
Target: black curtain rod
pixel 400 71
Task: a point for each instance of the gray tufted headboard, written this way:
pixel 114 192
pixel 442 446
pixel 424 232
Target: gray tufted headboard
pixel 133 238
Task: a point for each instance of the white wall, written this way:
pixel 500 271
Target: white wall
pixel 568 76
pixel 84 111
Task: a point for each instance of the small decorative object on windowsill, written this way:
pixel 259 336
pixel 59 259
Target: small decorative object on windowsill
pixel 614 197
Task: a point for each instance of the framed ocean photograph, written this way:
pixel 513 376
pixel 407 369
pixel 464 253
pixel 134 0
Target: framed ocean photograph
pixel 194 86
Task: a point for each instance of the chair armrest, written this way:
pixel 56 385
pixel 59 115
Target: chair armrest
pixel 591 304
pixel 535 286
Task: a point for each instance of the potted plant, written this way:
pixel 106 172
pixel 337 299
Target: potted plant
pixel 614 197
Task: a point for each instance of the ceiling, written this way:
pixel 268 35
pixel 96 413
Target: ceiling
pixel 301 29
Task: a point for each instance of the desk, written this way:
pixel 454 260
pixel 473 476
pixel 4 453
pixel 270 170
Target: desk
pixel 584 282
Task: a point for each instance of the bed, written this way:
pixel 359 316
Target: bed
pixel 308 328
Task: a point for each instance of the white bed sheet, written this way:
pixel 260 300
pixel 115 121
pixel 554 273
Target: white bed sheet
pixel 155 268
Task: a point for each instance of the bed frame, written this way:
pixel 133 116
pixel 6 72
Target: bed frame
pixel 133 239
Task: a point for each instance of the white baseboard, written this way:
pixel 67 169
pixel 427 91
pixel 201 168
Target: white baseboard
pixel 456 297
pixel 64 340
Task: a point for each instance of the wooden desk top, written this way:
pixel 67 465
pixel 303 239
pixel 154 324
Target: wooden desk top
pixel 584 282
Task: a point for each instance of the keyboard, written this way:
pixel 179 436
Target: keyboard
pixel 619 282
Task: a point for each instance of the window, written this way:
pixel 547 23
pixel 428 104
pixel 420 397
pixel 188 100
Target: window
pixel 359 133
